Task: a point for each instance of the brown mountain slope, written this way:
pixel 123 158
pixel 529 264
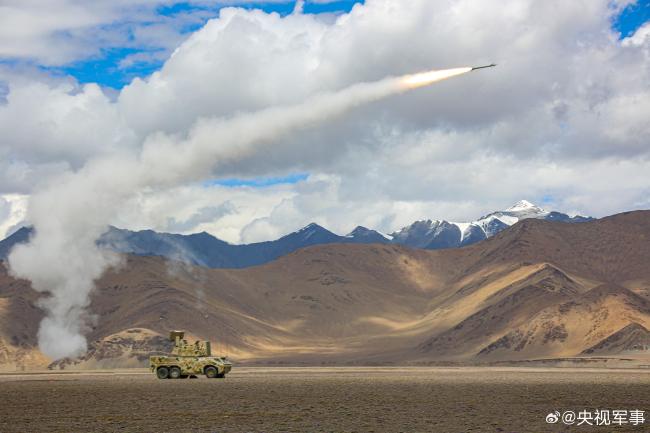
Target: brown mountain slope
pixel 538 289
pixel 615 248
pixel 509 307
pixel 631 338
pixel 19 318
pixel 574 326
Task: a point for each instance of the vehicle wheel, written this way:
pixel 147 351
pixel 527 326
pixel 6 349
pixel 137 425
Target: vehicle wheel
pixel 162 372
pixel 174 373
pixel 210 372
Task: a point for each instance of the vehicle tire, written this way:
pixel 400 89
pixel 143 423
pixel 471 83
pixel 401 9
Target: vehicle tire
pixel 174 373
pixel 211 372
pixel 162 372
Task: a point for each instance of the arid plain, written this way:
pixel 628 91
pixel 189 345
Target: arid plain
pixel 341 399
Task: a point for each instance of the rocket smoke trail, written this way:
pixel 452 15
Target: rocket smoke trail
pixel 62 259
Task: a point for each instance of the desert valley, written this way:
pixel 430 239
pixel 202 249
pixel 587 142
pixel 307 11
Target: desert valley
pixel 539 290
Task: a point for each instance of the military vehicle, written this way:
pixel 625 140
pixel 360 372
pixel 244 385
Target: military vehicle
pixel 189 360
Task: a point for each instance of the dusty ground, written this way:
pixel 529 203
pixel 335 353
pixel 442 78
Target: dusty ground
pixel 442 400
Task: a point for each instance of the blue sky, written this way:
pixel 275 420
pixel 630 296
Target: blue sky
pixel 259 182
pixel 105 69
pixel 633 17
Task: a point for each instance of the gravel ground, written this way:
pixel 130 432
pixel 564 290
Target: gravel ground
pixel 259 400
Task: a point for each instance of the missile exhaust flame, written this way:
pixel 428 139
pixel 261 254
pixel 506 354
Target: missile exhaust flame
pixel 426 78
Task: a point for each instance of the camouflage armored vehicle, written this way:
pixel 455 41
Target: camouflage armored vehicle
pixel 189 360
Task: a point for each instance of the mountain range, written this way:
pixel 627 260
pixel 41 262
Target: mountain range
pixel 537 290
pixel 441 234
pixel 203 249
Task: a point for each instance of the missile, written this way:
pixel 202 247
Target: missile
pixel 486 66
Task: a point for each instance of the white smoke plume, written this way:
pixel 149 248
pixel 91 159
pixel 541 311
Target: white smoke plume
pixel 62 259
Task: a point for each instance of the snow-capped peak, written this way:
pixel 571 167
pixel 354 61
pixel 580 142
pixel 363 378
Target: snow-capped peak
pixel 523 205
